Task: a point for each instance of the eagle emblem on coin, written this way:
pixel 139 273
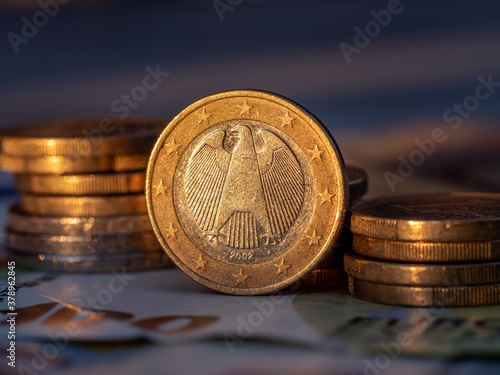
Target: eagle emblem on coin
pixel 244 187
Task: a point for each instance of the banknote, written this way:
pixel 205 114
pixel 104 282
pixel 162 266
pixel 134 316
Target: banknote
pixel 212 358
pixel 163 305
pixel 166 307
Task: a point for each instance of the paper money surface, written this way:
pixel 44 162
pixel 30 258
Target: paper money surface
pixel 165 306
pixel 146 322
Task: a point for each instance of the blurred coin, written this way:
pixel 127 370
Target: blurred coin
pixel 114 205
pixel 358 182
pixel 84 137
pixel 334 258
pixel 72 164
pixel 414 274
pixel 322 278
pixel 452 217
pixel 426 252
pixel 82 245
pixel 92 263
pixel 130 162
pixel 453 296
pixel 78 226
pixel 83 184
pixel 246 191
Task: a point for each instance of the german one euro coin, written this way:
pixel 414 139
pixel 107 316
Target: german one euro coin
pixel 246 191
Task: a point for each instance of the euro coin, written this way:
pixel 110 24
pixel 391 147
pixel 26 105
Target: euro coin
pixel 84 138
pixel 413 274
pixel 72 164
pixel 82 245
pixel 427 252
pixel 333 259
pixel 453 296
pixel 83 184
pixel 322 278
pixel 246 191
pixel 455 217
pixel 113 205
pixel 91 263
pixel 77 226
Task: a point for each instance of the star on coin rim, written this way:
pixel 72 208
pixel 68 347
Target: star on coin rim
pixel 309 134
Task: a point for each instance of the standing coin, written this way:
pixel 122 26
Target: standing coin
pixel 246 191
pixel 452 217
pixel 113 205
pixel 426 252
pixel 414 274
pixel 453 296
pixel 84 138
pixel 82 184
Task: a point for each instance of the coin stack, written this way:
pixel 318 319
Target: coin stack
pixel 426 250
pixel 330 271
pixel 82 206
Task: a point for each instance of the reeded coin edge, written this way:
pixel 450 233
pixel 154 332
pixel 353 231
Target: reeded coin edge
pixel 324 278
pixel 33 146
pixel 397 295
pixel 420 274
pixel 78 226
pixel 92 263
pixel 425 230
pixel 64 165
pixel 83 206
pixel 426 252
pixel 82 184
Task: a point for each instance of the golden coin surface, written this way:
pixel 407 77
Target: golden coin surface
pixel 427 252
pixel 246 192
pixel 91 263
pixel 414 274
pixel 72 164
pixel 113 205
pixel 358 182
pixel 322 278
pixel 82 245
pixel 130 162
pixel 85 137
pixel 82 184
pixel 452 217
pixel 78 226
pixel 453 296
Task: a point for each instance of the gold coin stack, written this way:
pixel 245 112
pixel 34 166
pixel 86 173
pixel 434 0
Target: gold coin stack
pixel 330 271
pixel 426 250
pixel 82 206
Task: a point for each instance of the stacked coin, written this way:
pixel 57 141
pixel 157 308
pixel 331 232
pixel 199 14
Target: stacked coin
pixel 330 271
pixel 82 206
pixel 426 250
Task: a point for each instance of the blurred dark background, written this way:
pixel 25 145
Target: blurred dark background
pixel 396 89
